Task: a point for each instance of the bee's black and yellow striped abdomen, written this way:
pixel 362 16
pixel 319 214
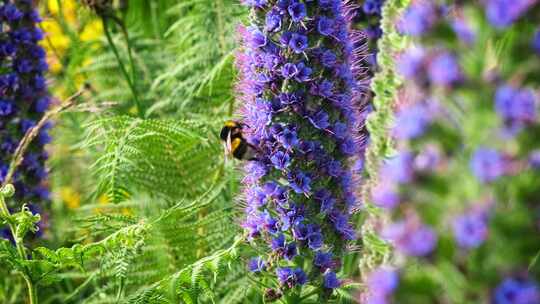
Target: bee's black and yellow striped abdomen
pixel 236 145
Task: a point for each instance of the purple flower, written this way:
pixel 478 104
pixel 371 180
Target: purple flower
pixel 256 264
pixel 385 195
pixel 411 237
pixel 372 7
pixel 323 260
pixel 502 13
pixel 444 70
pixel 383 281
pixel 297 11
pixel 470 229
pixel 325 26
pixel 419 18
pixel 255 3
pixel 487 165
pixel 328 59
pixel 289 70
pixel 534 159
pixel 273 21
pixel 24 99
pixel 298 43
pixel 399 168
pixel 428 159
pixel 515 105
pixel 536 41
pixel 463 31
pixel 291 277
pixel 331 281
pixel 299 182
pixel 280 160
pixel 517 291
pixel 302 105
pixel 411 122
pixel 411 62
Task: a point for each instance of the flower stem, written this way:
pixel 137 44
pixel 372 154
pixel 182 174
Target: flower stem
pixel 122 67
pixel 32 296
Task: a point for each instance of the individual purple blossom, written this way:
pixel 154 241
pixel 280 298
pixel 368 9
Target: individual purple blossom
pixel 536 41
pixel 383 281
pixel 256 264
pixel 428 159
pixel 444 69
pixel 419 18
pixel 515 105
pixel 487 164
pixel 463 31
pixel 411 122
pixel 331 281
pixel 411 63
pixel 502 13
pixel 291 277
pixel 325 26
pixel 372 7
pixel 411 237
pixel 400 168
pixel 289 70
pixel 385 195
pixel 297 11
pixel 273 21
pixel 298 43
pixel 534 159
pixel 470 229
pixel 516 291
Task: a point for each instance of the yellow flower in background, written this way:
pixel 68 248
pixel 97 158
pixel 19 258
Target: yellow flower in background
pixel 70 197
pixel 69 9
pixel 55 44
pixel 92 31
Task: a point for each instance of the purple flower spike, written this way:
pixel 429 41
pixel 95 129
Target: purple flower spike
pixel 302 92
pixel 23 100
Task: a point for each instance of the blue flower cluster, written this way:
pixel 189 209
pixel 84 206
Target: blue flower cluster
pixel 465 130
pixel 23 98
pixel 302 103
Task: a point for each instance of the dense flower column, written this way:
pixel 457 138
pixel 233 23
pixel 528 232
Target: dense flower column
pixel 23 98
pixel 464 170
pixel 302 103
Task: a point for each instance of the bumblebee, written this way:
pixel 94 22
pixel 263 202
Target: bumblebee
pixel 234 142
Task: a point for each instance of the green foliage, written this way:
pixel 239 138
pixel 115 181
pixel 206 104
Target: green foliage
pixel 156 157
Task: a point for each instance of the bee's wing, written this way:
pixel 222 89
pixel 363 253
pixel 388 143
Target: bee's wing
pixel 228 143
pixel 225 153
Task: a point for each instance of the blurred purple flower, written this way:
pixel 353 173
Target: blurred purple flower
pixel 515 105
pixel 536 41
pixel 487 164
pixel 517 291
pixel 419 18
pixel 444 70
pixel 411 122
pixel 411 237
pixel 502 13
pixel 399 168
pixel 470 229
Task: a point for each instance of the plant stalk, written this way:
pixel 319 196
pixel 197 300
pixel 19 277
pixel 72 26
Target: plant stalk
pixel 129 81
